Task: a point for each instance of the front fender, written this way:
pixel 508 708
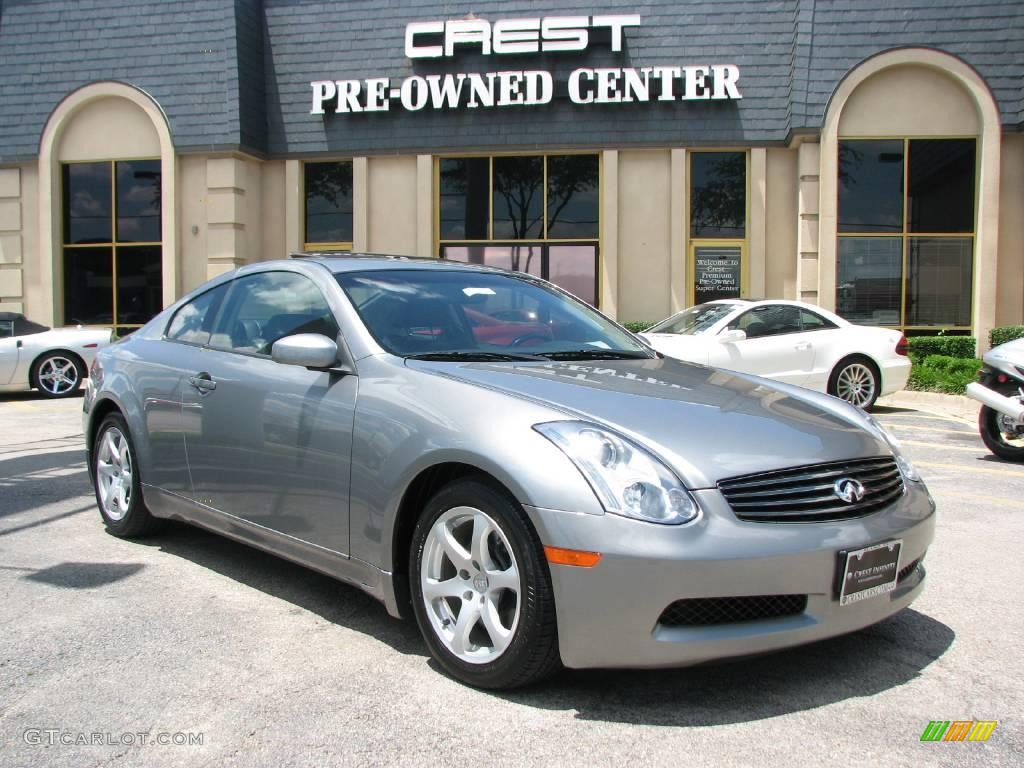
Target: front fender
pixel 399 432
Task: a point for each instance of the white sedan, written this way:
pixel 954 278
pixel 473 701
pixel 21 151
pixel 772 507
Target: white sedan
pixel 53 361
pixel 788 341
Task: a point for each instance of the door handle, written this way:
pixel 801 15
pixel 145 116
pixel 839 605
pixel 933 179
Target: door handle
pixel 203 382
pixel 803 346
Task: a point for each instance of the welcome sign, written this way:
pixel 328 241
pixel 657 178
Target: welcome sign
pixel 510 88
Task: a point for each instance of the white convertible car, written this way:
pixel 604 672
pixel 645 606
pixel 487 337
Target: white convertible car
pixel 788 341
pixel 54 361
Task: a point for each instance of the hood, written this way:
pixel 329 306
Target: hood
pixel 687 346
pixel 705 423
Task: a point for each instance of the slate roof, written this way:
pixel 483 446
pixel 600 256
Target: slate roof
pixel 236 73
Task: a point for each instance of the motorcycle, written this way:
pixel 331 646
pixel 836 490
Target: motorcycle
pixel 1000 390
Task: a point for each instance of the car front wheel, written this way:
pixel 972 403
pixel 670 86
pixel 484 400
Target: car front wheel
pixel 116 481
pixel 481 590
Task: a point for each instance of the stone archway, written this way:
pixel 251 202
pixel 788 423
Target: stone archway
pixel 920 74
pixel 114 120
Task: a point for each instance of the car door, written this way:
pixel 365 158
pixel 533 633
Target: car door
pixel 824 336
pixel 774 346
pixel 160 388
pixel 10 348
pixel 271 443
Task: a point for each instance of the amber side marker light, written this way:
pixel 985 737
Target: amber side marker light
pixel 576 557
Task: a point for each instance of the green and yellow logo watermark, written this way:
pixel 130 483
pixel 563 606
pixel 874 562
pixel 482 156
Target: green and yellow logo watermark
pixel 959 730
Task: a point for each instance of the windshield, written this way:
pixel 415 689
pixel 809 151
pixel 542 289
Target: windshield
pixel 693 320
pixel 456 314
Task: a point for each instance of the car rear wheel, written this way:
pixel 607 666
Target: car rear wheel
pixel 481 589
pixel 57 374
pixel 856 381
pixel 116 481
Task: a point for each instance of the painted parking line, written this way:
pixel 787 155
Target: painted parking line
pixel 995 501
pixel 916 428
pixel 969 448
pixel 1007 472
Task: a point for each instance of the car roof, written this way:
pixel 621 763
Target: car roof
pixel 353 262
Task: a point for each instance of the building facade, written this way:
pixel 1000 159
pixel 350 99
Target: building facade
pixel 864 156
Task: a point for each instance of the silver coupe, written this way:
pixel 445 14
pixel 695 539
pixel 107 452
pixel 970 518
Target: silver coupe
pixel 480 450
pixel 52 360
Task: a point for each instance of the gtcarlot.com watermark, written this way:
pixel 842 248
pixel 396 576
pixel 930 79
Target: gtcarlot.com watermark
pixel 50 737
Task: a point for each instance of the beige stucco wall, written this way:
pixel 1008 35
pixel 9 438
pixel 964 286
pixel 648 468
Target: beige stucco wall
pixel 391 204
pixel 781 224
pixel 909 101
pixel 192 204
pixel 109 128
pixel 644 234
pixel 1010 280
pixel 273 201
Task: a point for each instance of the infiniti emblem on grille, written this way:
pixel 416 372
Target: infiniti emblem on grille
pixel 848 489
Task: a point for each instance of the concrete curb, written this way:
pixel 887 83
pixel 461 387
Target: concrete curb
pixel 951 406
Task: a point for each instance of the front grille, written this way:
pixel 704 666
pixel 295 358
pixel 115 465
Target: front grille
pixel 709 611
pixel 807 494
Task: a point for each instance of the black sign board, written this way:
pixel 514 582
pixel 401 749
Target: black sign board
pixel 716 272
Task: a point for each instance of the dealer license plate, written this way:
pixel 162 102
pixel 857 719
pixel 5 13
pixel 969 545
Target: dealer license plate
pixel 870 571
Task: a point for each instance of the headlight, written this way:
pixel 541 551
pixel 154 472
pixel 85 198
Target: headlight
pixel 627 479
pixel 906 467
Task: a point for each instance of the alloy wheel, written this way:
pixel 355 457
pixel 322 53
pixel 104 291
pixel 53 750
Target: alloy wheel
pixel 856 384
pixel 114 474
pixel 471 585
pixel 58 375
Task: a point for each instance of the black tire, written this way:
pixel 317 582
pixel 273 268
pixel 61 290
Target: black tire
pixel 995 439
pixel 843 381
pixel 47 364
pixel 532 652
pixel 134 520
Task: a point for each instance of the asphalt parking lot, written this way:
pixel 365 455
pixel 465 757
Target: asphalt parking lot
pixel 265 663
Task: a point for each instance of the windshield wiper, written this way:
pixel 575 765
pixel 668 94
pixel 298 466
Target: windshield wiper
pixel 596 354
pixel 475 355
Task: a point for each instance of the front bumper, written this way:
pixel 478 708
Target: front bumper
pixel 608 615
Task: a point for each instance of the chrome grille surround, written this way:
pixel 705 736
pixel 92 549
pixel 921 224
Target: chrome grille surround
pixel 807 494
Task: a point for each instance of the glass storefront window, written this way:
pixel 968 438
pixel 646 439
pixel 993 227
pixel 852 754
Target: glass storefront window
pixel 328 194
pixel 87 198
pixel 869 279
pixel 941 182
pixel 939 280
pixel 518 206
pixel 572 196
pixel 113 257
pixel 921 192
pixel 138 201
pixel 533 213
pixel 718 194
pixel 871 186
pixel 464 198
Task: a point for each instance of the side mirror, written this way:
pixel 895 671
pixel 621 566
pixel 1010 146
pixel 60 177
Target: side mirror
pixel 309 350
pixel 728 337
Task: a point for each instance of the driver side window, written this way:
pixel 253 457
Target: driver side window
pixel 268 306
pixel 772 320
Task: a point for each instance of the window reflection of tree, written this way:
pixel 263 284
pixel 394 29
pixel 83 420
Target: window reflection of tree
pixel 568 176
pixel 518 184
pixel 718 206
